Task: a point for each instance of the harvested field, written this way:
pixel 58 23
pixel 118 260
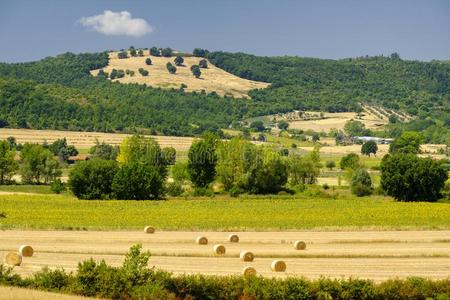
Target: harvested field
pixel 87 139
pixel 212 79
pixel 377 255
pixel 13 293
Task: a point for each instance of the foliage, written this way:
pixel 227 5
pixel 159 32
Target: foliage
pixel 361 183
pixel 330 164
pixel 38 165
pixel 174 189
pixel 104 151
pixel 138 181
pixel 350 161
pixel 169 155
pixel 148 61
pixel 407 177
pixel 283 125
pixel 407 142
pixel 8 164
pixel 178 60
pixel 180 172
pixel 57 186
pixel 196 71
pixel 62 150
pixel 198 52
pixel 257 126
pixel 166 52
pixel 202 160
pixel 155 51
pixel 92 179
pixel 142 149
pixel 143 72
pixel 203 63
pixel 302 170
pixel 369 147
pixel 355 128
pixel 171 68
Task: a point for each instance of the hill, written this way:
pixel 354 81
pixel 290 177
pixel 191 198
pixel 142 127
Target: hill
pixel 212 79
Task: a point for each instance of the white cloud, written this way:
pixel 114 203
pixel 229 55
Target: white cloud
pixel 117 23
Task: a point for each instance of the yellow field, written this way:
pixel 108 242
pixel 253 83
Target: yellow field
pixel 14 293
pixel 212 79
pixel 85 140
pixel 337 121
pixel 377 255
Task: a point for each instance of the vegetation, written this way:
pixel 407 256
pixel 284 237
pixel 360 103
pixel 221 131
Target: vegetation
pixel 143 72
pixel 104 151
pixel 155 51
pixel 407 177
pixel 171 68
pixel 369 147
pixel 38 165
pixel 196 71
pixel 202 160
pixel 178 61
pixel 203 64
pixel 361 183
pixel 407 142
pixel 148 61
pixel 350 161
pixel 8 164
pixel 62 150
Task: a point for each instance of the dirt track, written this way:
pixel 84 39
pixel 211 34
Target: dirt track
pixel 374 254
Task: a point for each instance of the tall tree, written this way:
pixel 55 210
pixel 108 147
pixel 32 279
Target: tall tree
pixel 407 142
pixel 202 160
pixel 369 147
pixel 8 164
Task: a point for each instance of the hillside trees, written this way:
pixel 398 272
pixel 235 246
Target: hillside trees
pixel 8 164
pixel 407 177
pixel 62 150
pixel 355 128
pixel 350 161
pixel 166 52
pixel 122 55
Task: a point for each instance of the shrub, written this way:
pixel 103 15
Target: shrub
pixel 51 280
pixel 180 172
pixel 92 179
pixel 154 51
pixel 148 61
pixel 138 181
pixel 350 161
pixel 361 184
pixel 57 186
pixel 369 147
pixel 174 189
pixel 330 164
pixel 171 68
pixel 407 177
pixel 143 72
pixel 178 60
pixel 407 142
pixel 203 64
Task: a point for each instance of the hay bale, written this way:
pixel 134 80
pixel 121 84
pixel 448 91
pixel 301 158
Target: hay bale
pixel 13 259
pixel 249 271
pixel 247 256
pixel 202 240
pixel 219 249
pixel 26 251
pixel 299 245
pixel 149 229
pixel 233 238
pixel 278 266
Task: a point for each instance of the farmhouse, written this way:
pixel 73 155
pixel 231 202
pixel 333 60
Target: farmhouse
pixel 372 138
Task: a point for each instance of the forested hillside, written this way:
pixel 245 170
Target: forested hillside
pixel 60 93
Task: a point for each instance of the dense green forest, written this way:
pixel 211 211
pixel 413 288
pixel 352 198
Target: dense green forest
pixel 59 93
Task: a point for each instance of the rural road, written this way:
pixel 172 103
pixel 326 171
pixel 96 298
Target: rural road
pixel 377 255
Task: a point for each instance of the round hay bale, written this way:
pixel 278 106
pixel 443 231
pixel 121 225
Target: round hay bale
pixel 149 229
pixel 26 251
pixel 247 256
pixel 249 271
pixel 233 238
pixel 202 240
pixel 299 245
pixel 278 266
pixel 13 259
pixel 219 249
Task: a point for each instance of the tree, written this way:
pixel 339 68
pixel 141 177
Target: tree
pixel 198 52
pixel 171 68
pixel 369 147
pixel 133 52
pixel 122 54
pixel 167 52
pixel 407 142
pixel 196 71
pixel 302 170
pixel 257 125
pixel 330 164
pixel 154 51
pixel 350 161
pixel 283 125
pixel 104 151
pixel 8 164
pixel 393 119
pixel 92 179
pixel 38 165
pixel 143 72
pixel 315 137
pixel 203 63
pixel 169 155
pixel 113 74
pixel 407 177
pixel 180 172
pixel 202 160
pixel 148 61
pixel 355 128
pixel 141 149
pixel 138 181
pixel 361 184
pixel 179 60
pixel 140 52
pixel 62 150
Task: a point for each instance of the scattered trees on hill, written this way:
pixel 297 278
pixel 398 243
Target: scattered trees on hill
pixel 369 147
pixel 203 63
pixel 155 51
pixel 38 165
pixel 8 164
pixel 171 68
pixel 407 142
pixel 200 52
pixel 407 177
pixel 148 61
pixel 196 71
pixel 202 160
pixel 179 60
pixel 143 72
pixel 361 183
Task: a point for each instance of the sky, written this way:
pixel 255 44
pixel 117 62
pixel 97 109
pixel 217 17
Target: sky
pixel 416 29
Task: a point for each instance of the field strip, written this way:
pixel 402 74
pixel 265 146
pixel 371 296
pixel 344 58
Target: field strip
pixel 396 254
pixel 14 293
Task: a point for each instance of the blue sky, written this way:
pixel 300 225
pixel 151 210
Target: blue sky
pixel 30 30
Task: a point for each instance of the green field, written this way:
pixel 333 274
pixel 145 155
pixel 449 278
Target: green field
pixel 300 212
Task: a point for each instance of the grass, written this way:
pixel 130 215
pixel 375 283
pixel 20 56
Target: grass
pixel 301 212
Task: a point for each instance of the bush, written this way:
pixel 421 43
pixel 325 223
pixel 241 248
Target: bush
pixel 361 184
pixel 51 280
pixel 148 61
pixel 174 189
pixel 92 179
pixel 57 186
pixel 369 147
pixel 350 161
pixel 407 177
pixel 143 72
pixel 138 181
pixel 330 164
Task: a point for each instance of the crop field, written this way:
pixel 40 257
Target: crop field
pixel 376 255
pixel 315 210
pixel 84 140
pixel 212 79
pixel 14 293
